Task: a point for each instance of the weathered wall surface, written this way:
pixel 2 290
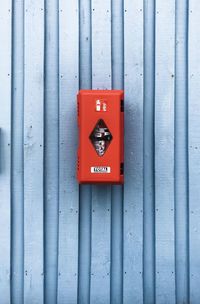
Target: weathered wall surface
pixel 61 243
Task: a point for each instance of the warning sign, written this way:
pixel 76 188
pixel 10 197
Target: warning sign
pixel 101 105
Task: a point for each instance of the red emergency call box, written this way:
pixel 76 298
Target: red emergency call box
pixel 101 136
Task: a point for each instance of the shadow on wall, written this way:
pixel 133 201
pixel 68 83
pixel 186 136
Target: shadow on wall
pixel 133 123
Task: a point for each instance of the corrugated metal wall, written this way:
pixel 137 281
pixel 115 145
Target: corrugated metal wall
pixel 61 243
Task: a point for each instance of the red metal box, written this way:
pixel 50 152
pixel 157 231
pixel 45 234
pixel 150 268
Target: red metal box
pixel 101 136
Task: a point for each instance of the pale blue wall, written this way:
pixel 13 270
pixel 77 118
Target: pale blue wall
pixel 61 243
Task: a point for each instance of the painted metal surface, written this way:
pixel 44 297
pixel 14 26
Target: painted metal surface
pixel 64 243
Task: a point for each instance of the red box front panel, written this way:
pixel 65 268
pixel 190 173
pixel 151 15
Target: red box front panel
pixel 101 136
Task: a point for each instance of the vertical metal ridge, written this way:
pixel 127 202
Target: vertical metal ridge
pixel 33 150
pixel 85 194
pixel 17 158
pixel 133 162
pixel 84 262
pixel 51 150
pixel 181 154
pixel 164 151
pixel 58 147
pixel 117 44
pixel 85 45
pixel 149 147
pixel 5 148
pixel 68 187
pixel 117 69
pixel 116 280
pixel 193 148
